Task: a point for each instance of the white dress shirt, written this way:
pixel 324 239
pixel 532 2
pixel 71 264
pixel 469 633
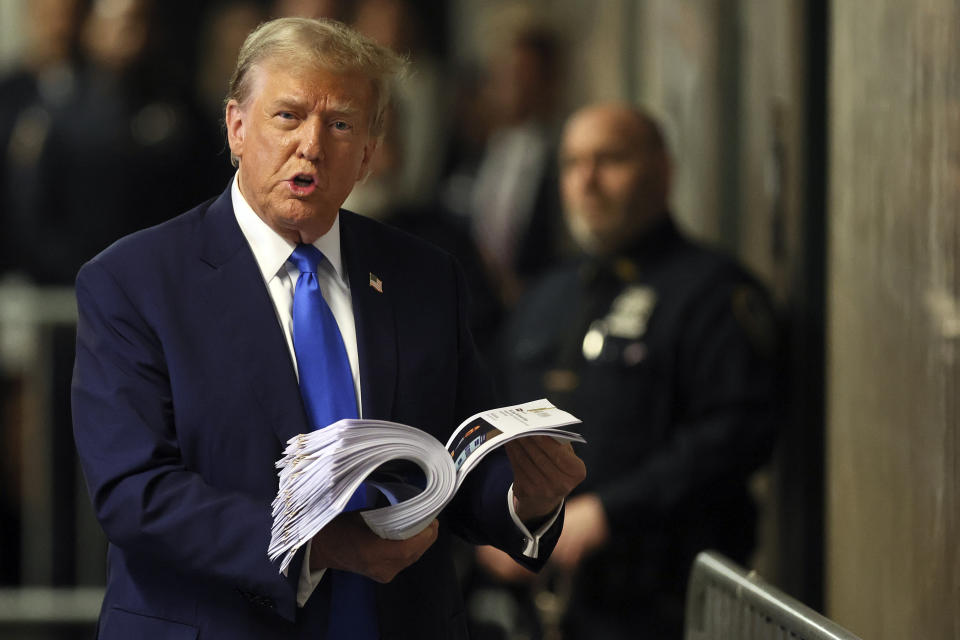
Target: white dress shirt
pixel 271 252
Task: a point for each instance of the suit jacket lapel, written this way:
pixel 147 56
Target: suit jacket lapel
pixel 374 315
pixel 245 321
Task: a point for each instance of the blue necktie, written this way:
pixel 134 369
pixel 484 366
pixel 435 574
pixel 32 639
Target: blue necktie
pixel 326 385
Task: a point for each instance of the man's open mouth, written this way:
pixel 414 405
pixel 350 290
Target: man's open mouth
pixel 303 180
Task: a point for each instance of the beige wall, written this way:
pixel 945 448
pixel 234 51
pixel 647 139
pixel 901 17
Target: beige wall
pixel 11 34
pixel 680 84
pixel 893 568
pixel 772 112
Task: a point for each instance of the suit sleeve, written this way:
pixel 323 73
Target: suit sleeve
pixel 148 502
pixel 480 511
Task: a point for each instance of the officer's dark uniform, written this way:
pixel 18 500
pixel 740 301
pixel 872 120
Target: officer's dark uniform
pixel 666 352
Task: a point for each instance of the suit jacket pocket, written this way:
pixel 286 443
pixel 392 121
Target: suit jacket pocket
pixel 120 624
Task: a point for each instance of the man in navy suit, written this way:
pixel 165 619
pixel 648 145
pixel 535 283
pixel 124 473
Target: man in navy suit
pixel 186 385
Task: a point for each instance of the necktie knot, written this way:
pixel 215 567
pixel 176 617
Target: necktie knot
pixel 306 258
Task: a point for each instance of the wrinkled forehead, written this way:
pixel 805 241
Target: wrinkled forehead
pixel 309 82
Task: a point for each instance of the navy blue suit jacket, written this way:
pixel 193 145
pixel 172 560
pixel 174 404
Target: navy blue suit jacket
pixel 184 396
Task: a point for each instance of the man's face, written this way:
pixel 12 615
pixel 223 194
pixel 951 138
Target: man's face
pixel 613 183
pixel 303 140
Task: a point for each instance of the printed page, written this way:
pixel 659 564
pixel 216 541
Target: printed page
pixel 490 429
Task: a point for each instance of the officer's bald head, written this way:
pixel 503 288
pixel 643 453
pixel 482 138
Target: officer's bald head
pixel 615 175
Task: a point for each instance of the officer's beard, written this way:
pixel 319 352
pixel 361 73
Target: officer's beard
pixel 599 242
pixel 625 229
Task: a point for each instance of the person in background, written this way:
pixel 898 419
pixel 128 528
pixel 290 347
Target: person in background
pixel 127 121
pixel 381 196
pixel 420 99
pixel 470 129
pixel 225 26
pixel 513 198
pixel 31 97
pixel 667 352
pixel 207 342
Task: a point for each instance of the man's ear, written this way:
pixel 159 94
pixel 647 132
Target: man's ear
pixel 234 119
pixel 369 150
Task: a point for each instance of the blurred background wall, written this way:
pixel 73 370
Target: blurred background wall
pixel 11 15
pixel 819 141
pixel 894 324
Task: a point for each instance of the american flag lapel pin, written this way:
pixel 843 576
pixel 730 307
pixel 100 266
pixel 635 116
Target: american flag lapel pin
pixel 376 283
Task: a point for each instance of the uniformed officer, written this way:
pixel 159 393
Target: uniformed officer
pixel 665 350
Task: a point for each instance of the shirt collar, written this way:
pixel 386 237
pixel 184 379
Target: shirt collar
pixel 270 249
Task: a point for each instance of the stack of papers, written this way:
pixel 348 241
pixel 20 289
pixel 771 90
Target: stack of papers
pixel 321 470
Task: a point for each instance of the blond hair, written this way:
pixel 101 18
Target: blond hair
pixel 322 44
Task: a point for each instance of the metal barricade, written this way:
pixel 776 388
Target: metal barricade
pixel 725 602
pixel 61 551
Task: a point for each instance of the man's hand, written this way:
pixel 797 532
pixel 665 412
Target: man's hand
pixel 584 529
pixel 545 471
pixel 349 545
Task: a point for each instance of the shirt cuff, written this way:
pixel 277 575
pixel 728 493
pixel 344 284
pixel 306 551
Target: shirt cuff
pixel 308 580
pixel 531 541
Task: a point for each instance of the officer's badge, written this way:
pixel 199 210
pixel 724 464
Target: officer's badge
pixel 630 312
pixel 627 319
